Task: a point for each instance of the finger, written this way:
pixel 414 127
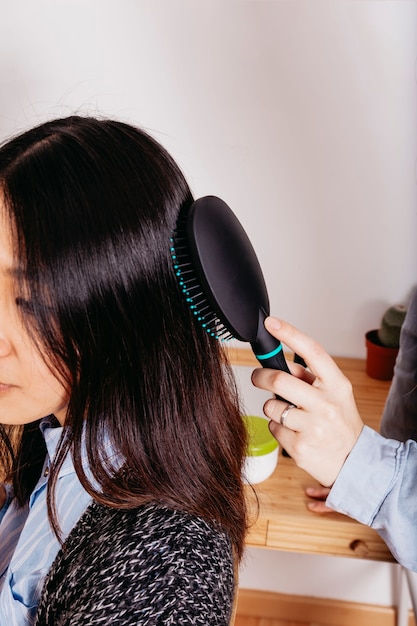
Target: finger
pixel 319 493
pixel 319 507
pixel 285 437
pixel 280 383
pixel 316 357
pixel 283 385
pixel 282 413
pixel 301 372
pixel 297 370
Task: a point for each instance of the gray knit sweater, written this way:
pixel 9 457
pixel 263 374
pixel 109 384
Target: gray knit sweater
pixel 145 566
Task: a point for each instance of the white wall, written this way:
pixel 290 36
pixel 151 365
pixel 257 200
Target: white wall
pixel 299 113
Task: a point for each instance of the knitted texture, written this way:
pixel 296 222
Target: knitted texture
pixel 144 566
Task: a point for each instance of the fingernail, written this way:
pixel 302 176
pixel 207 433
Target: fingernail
pixel 273 323
pixel 312 505
pixel 268 407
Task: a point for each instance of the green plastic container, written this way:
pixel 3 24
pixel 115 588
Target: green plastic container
pixel 262 454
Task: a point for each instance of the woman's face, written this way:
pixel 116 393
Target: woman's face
pixel 28 389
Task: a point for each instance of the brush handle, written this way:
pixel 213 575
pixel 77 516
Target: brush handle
pixel 273 359
pixel 268 350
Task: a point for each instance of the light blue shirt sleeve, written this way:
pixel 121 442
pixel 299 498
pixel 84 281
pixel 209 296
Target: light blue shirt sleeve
pixel 377 487
pixel 378 482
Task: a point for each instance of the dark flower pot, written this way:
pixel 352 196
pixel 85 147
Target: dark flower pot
pixel 380 359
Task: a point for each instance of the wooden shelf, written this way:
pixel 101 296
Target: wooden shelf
pixel 282 521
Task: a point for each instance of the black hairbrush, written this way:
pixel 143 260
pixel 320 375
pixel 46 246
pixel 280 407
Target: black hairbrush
pixel 222 281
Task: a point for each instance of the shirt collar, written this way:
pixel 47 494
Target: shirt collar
pixel 52 431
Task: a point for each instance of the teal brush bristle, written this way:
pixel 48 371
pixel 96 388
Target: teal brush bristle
pixel 191 288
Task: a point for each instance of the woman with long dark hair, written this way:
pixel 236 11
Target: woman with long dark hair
pixel 122 441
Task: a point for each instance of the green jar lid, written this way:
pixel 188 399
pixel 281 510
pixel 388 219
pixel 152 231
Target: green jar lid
pixel 260 439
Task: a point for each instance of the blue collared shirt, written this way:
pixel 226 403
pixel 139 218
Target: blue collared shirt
pixel 378 483
pixel 28 544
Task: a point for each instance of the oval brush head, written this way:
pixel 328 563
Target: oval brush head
pixel 220 276
pixel 192 283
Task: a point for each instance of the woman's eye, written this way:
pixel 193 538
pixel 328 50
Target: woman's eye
pixel 22 303
pixel 30 306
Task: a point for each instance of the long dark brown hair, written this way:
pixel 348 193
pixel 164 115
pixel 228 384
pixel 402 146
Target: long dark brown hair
pixel 92 205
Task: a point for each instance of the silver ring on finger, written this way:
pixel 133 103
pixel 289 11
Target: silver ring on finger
pixel 285 413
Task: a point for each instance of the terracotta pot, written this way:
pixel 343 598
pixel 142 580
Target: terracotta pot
pixel 380 360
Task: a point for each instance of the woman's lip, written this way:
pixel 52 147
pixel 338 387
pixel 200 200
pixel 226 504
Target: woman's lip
pixel 5 386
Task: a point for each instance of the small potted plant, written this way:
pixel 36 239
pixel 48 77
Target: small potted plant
pixel 382 344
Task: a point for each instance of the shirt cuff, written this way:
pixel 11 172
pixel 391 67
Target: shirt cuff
pixel 366 477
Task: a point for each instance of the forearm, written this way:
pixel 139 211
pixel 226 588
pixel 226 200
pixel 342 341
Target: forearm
pixel 376 486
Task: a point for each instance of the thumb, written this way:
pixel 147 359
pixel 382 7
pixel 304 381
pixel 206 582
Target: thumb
pixel 273 325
